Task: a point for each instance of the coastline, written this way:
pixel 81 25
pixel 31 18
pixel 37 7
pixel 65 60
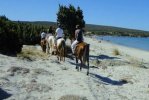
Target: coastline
pixel 136 53
pixel 132 42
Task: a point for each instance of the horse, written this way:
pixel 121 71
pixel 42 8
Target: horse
pixel 50 45
pixel 82 53
pixel 61 49
pixel 43 45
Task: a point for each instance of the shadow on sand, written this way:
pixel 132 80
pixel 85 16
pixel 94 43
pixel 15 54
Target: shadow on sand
pixel 103 57
pixel 106 80
pixel 4 94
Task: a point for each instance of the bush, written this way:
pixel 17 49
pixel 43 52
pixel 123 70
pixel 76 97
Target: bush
pixel 9 40
pixel 116 52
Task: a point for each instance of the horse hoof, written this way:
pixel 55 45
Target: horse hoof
pixel 87 73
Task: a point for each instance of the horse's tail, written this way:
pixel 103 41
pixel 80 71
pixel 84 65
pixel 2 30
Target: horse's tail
pixel 86 54
pixel 63 47
pixel 86 57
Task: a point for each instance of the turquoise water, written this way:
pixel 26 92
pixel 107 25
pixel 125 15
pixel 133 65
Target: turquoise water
pixel 135 42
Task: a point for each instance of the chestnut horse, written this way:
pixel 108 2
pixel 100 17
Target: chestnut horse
pixel 82 54
pixel 61 49
pixel 43 45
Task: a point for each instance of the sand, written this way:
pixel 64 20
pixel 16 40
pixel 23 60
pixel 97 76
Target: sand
pixel 122 76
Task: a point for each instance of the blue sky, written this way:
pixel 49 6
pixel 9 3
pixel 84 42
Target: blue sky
pixel 121 13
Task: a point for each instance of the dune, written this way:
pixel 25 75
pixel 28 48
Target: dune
pixel 34 75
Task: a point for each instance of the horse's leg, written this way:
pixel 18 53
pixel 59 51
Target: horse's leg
pixel 64 54
pixel 47 48
pixel 87 53
pixel 61 54
pixel 87 66
pixel 77 64
pixel 58 55
pixel 41 45
pixel 44 48
pixel 81 64
pixel 51 49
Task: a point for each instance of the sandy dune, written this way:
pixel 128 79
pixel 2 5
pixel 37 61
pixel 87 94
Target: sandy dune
pixel 43 77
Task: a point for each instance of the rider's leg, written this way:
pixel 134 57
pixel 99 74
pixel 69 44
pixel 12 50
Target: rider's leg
pixel 73 46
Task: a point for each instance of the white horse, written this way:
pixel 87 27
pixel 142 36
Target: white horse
pixel 50 45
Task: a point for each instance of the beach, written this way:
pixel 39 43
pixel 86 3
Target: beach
pixel 116 73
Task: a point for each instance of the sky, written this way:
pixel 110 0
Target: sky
pixel 133 14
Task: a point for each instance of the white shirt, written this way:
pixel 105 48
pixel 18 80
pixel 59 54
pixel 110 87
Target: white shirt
pixel 43 35
pixel 59 32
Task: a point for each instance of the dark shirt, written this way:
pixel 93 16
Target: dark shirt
pixel 79 35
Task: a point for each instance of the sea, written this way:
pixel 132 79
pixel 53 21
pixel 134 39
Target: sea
pixel 134 42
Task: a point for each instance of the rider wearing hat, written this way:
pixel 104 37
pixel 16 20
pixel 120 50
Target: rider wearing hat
pixel 78 38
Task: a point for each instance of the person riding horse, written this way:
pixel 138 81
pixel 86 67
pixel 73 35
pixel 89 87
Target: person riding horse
pixel 59 33
pixel 43 41
pixel 43 35
pixel 60 43
pixel 78 36
pixel 80 49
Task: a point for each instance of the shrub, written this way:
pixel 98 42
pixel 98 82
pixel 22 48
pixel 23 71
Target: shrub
pixel 116 52
pixel 9 40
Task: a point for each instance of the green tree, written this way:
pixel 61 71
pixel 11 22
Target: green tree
pixel 9 40
pixel 69 17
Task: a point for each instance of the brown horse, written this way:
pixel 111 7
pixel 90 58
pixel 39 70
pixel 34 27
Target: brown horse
pixel 43 45
pixel 61 49
pixel 82 54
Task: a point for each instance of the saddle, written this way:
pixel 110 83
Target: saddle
pixel 81 44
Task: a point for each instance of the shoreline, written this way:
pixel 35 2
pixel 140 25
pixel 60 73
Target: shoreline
pixel 134 52
pixel 124 40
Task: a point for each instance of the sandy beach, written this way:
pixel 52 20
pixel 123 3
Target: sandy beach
pixel 116 73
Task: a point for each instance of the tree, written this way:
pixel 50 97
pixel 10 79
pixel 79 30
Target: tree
pixel 69 17
pixel 9 40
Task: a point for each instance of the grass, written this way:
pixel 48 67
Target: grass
pixel 72 97
pixel 31 53
pixel 116 52
pixel 137 63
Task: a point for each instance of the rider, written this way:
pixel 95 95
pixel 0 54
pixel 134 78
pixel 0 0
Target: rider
pixel 59 33
pixel 78 37
pixel 43 35
pixel 49 32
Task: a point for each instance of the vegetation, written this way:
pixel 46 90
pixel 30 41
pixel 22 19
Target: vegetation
pixel 9 39
pixel 14 34
pixel 116 52
pixel 100 29
pixel 116 31
pixel 69 17
pixel 31 53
